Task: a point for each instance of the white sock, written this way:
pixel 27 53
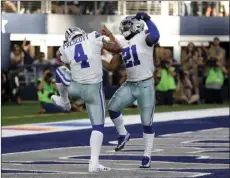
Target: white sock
pixel 63 91
pixel 119 124
pixel 96 139
pixel 148 142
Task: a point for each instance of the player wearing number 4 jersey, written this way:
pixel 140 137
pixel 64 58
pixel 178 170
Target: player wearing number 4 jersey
pixel 138 56
pixel 82 52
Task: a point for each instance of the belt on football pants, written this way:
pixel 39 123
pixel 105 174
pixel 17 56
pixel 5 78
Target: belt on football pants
pixel 138 82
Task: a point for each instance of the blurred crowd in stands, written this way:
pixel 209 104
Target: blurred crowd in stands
pixel 198 77
pixel 63 7
pixel 186 8
pixel 206 8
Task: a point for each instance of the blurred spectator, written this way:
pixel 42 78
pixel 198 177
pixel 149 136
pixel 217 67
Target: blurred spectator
pixel 157 54
pixel 42 64
pixel 41 59
pixel 224 8
pixel 5 88
pixel 195 8
pixel 186 8
pixel 26 46
pixel 56 60
pixel 189 63
pixel 46 87
pixel 202 55
pixel 209 8
pixel 214 80
pixel 167 55
pixel 106 7
pixel 184 93
pixel 73 7
pixel 15 88
pixel 58 7
pixel 21 55
pixel 9 6
pixel 17 56
pixel 216 51
pixel 165 82
pixel 87 7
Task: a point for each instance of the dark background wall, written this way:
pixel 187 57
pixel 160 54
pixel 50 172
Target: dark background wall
pixel 25 23
pixel 204 26
pixel 5 50
pixel 57 24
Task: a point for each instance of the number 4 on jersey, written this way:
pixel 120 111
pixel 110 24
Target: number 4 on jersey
pixel 126 55
pixel 80 56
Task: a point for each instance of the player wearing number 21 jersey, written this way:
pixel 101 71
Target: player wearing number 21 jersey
pixel 137 55
pixel 82 52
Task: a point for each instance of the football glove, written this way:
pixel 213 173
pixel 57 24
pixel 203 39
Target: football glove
pixel 142 16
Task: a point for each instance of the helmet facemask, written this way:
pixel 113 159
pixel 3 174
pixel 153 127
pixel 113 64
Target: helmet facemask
pixel 131 26
pixel 126 27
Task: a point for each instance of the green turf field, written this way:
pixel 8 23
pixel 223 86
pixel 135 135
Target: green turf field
pixel 28 113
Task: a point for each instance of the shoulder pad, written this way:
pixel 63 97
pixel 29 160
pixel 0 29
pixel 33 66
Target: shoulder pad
pixel 97 35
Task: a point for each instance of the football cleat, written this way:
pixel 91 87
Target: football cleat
pixel 98 168
pixel 122 141
pixel 57 100
pixel 145 162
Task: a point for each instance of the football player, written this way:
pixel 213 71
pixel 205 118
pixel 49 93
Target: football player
pixel 82 52
pixel 138 56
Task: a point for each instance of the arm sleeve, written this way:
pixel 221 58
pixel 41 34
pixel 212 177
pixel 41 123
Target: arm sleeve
pixel 153 31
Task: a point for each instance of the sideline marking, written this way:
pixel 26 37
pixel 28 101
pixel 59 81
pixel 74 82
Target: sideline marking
pixel 51 172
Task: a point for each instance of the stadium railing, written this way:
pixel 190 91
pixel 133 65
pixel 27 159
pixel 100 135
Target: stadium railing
pixel 173 8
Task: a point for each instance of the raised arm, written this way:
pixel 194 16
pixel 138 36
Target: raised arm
pixel 112 44
pixel 105 31
pixel 153 37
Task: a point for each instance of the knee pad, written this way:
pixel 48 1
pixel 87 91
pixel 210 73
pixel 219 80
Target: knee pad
pixel 63 75
pixel 148 129
pixel 114 114
pixel 99 128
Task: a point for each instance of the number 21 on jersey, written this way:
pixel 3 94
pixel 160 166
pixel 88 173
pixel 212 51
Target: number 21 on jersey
pixel 126 55
pixel 80 56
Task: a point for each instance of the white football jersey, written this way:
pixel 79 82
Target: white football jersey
pixel 138 57
pixel 83 54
